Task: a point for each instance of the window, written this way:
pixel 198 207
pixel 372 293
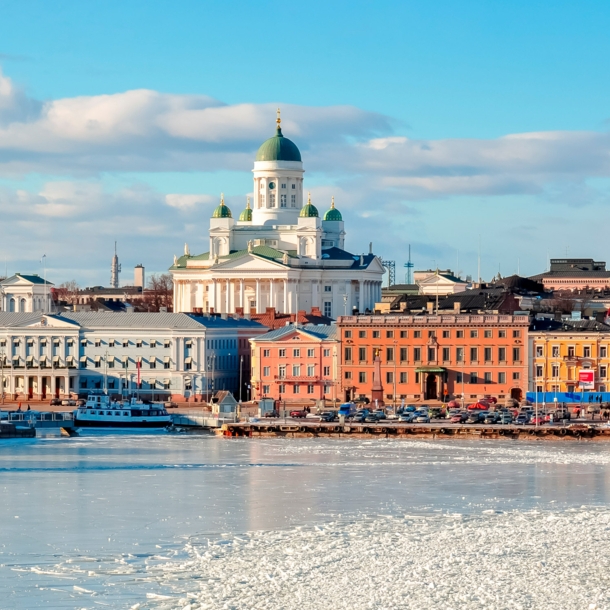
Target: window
pixel 516 376
pixel 459 378
pixel 431 333
pixel 98 362
pixel 501 377
pixel 296 370
pixel 431 354
pixel 139 344
pixel 474 354
pixel 389 354
pixel 473 378
pixel 362 334
pixel 282 353
pixel 310 353
pixel 389 377
pixel 487 354
pixel 403 377
pixel 283 200
pixel 281 371
pixel 266 353
pixel 296 388
pixel 311 370
pixel 488 334
pixel 296 353
pixel 446 356
pixel 539 351
pixel 417 334
pixel 326 389
pixel 516 334
pixel 328 309
pixel 362 354
pixel 417 354
pixel 83 342
pixel 125 343
pixel 474 334
pixel 347 334
pixel 362 376
pixel 328 288
pixel 487 377
pixel 586 351
pixel 404 354
pixel 376 334
pixel 459 334
pixel 603 372
pixel 266 389
pixel 153 343
pixel 281 388
pixel 539 371
pixel 516 354
pixel 83 362
pixel 283 185
pixel 272 199
pixel 326 372
pixel 348 375
pixel 446 334
pixel 555 370
pixel 293 199
pixel 502 354
pixel 152 363
pixel 166 363
pixel 266 371
pixel 326 353
pixel 111 343
pixel 603 352
pixel 347 354
pixel 310 388
pixel 389 334
pixel 98 343
pixel 167 344
pixel 459 354
pixel 539 389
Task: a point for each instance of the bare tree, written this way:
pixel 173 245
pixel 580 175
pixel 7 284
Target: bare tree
pixel 160 292
pixel 67 292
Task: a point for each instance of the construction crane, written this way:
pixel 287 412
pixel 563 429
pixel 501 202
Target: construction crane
pixel 391 267
pixel 409 266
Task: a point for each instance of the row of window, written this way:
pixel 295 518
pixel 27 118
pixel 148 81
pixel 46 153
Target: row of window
pixel 296 353
pixel 471 378
pixel 572 351
pixel 366 354
pixel 296 371
pixel 555 371
pixel 296 389
pixel 446 334
pixel 283 200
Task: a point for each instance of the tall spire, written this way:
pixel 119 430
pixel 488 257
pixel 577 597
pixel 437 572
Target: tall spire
pixel 332 202
pixel 278 129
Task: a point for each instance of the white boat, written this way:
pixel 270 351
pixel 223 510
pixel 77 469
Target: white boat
pixel 100 412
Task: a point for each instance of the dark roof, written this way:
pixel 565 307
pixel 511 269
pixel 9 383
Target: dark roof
pixel 582 274
pixel 314 330
pixel 517 283
pixel 469 300
pixel 569 326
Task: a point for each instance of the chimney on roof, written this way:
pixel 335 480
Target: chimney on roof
pixel 457 307
pixel 315 311
pixel 430 307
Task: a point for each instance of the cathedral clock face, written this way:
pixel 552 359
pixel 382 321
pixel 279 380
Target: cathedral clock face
pixel 272 185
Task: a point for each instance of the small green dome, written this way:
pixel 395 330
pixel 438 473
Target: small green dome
pixel 309 210
pixel 246 215
pixel 278 148
pixel 222 211
pixel 333 213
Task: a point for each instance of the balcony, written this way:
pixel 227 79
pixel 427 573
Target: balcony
pixel 302 379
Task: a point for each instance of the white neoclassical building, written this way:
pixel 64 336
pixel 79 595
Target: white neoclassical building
pixel 280 253
pixel 26 293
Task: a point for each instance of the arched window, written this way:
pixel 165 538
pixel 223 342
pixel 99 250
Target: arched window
pixel 22 305
pixel 11 305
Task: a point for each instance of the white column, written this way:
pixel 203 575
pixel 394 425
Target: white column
pixel 271 294
pixel 213 296
pixel 361 296
pixel 286 307
pixel 241 294
pixel 228 296
pixel 258 296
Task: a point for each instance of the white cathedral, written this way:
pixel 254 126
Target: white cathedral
pixel 280 253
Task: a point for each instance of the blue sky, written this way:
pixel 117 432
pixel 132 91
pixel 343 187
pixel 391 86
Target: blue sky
pixel 431 122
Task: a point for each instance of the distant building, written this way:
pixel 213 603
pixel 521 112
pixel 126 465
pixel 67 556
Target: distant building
pixel 432 357
pixel 273 319
pixel 296 364
pixel 26 293
pixel 154 354
pixel 437 282
pixel 575 274
pixel 139 276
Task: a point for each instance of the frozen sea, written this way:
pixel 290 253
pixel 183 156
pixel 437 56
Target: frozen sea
pixel 162 522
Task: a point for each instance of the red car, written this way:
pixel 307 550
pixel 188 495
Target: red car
pixel 298 414
pixel 537 421
pixel 459 418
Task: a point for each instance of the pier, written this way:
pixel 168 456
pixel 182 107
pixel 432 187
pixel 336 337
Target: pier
pixel 40 423
pixel 305 429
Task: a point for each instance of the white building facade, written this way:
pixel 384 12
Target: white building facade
pixel 280 253
pixel 161 355
pixel 26 293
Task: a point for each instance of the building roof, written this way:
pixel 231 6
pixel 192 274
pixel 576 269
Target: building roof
pixel 568 326
pixel 309 210
pixel 273 319
pixel 222 211
pixel 10 318
pixel 317 331
pixel 278 148
pixel 333 213
pixel 571 274
pixel 33 278
pixel 246 215
pixel 469 300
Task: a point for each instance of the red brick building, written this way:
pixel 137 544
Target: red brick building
pixel 296 364
pixel 431 357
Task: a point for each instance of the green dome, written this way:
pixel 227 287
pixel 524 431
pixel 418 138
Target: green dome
pixel 333 213
pixel 246 215
pixel 278 148
pixel 222 211
pixel 310 210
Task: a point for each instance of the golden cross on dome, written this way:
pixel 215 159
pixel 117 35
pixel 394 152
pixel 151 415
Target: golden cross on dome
pixel 248 203
pixel 279 119
pixel 222 198
pixel 332 202
pixel 308 197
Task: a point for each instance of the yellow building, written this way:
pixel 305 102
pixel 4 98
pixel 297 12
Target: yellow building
pixel 561 350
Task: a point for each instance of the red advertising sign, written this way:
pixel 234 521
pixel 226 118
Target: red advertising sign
pixel 586 379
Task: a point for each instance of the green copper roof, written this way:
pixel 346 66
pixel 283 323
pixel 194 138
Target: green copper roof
pixel 333 213
pixel 246 215
pixel 222 211
pixel 309 210
pixel 278 148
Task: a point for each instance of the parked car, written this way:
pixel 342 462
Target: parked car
pixel 492 418
pixel 506 418
pixel 68 402
pixel 522 419
pixel 537 420
pixel 328 416
pixel 459 418
pixel 411 408
pixel 371 418
pixel 379 414
pixel 298 414
pixel 359 416
pixel 406 417
pixel 423 418
pixel 55 402
pixel 170 404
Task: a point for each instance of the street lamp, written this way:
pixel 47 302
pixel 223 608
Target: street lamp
pixel 395 358
pixel 241 364
pixel 2 375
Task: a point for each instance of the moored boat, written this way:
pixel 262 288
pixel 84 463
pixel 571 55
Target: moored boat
pixel 101 412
